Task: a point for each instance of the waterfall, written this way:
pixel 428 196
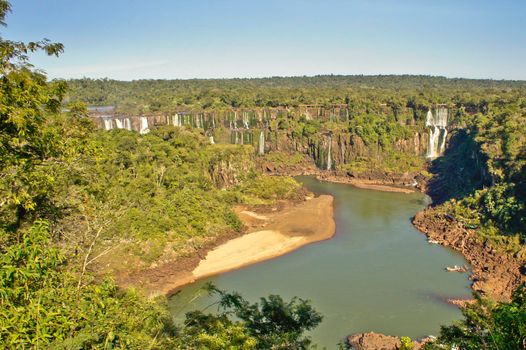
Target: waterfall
pixel 127 124
pixel 118 123
pixel 246 120
pixel 443 143
pixel 261 143
pixel 437 124
pixel 329 158
pixel 108 124
pixel 177 120
pixel 211 138
pixel 144 126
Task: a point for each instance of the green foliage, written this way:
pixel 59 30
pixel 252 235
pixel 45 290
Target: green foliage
pixel 295 159
pixel 390 162
pixel 485 171
pixel 71 195
pixel 269 188
pixel 406 97
pixel 378 130
pixel 43 306
pixel 487 325
pixel 406 343
pixel 270 324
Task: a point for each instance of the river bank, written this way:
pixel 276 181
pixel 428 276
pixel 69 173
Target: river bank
pixel 270 232
pixel 495 273
pixel 368 184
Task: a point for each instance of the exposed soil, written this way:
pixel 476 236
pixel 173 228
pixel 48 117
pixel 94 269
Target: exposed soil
pixel 159 280
pixel 376 341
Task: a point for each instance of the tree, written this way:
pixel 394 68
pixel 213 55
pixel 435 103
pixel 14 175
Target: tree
pixel 270 324
pixel 25 100
pixel 488 325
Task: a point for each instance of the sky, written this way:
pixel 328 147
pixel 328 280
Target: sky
pixel 182 39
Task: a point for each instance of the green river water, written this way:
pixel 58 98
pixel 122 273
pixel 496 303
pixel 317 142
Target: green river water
pixel 378 273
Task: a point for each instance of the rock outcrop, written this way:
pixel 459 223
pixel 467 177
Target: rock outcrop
pixel 495 273
pixel 376 341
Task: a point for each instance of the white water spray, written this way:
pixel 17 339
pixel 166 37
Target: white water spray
pixel 329 157
pixel 108 124
pixel 437 124
pixel 261 143
pixel 144 126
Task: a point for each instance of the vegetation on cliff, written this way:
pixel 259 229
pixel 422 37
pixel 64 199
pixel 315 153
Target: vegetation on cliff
pixel 481 180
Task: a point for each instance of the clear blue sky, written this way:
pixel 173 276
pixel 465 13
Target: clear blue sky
pixel 129 39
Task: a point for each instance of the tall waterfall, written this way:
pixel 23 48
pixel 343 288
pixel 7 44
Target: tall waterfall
pixel 261 150
pixel 329 156
pixel 127 124
pixel 108 124
pixel 120 123
pixel 437 124
pixel 144 126
pixel 176 120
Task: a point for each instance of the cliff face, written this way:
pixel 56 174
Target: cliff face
pixel 331 142
pixel 229 164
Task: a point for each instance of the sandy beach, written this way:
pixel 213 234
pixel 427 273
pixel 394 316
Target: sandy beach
pixel 282 232
pixel 271 233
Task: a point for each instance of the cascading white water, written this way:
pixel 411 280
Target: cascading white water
pixel 261 143
pixel 176 120
pixel 443 143
pixel 144 126
pixel 127 124
pixel 118 123
pixel 246 120
pixel 437 124
pixel 108 124
pixel 211 138
pixel 329 157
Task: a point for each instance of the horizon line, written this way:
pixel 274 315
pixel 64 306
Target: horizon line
pixel 301 76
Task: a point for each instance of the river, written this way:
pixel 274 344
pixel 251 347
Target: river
pixel 377 274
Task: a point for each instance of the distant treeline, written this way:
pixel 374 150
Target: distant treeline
pixel 396 91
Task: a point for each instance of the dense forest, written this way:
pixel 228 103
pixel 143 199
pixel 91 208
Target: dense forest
pixel 72 196
pixel 152 96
